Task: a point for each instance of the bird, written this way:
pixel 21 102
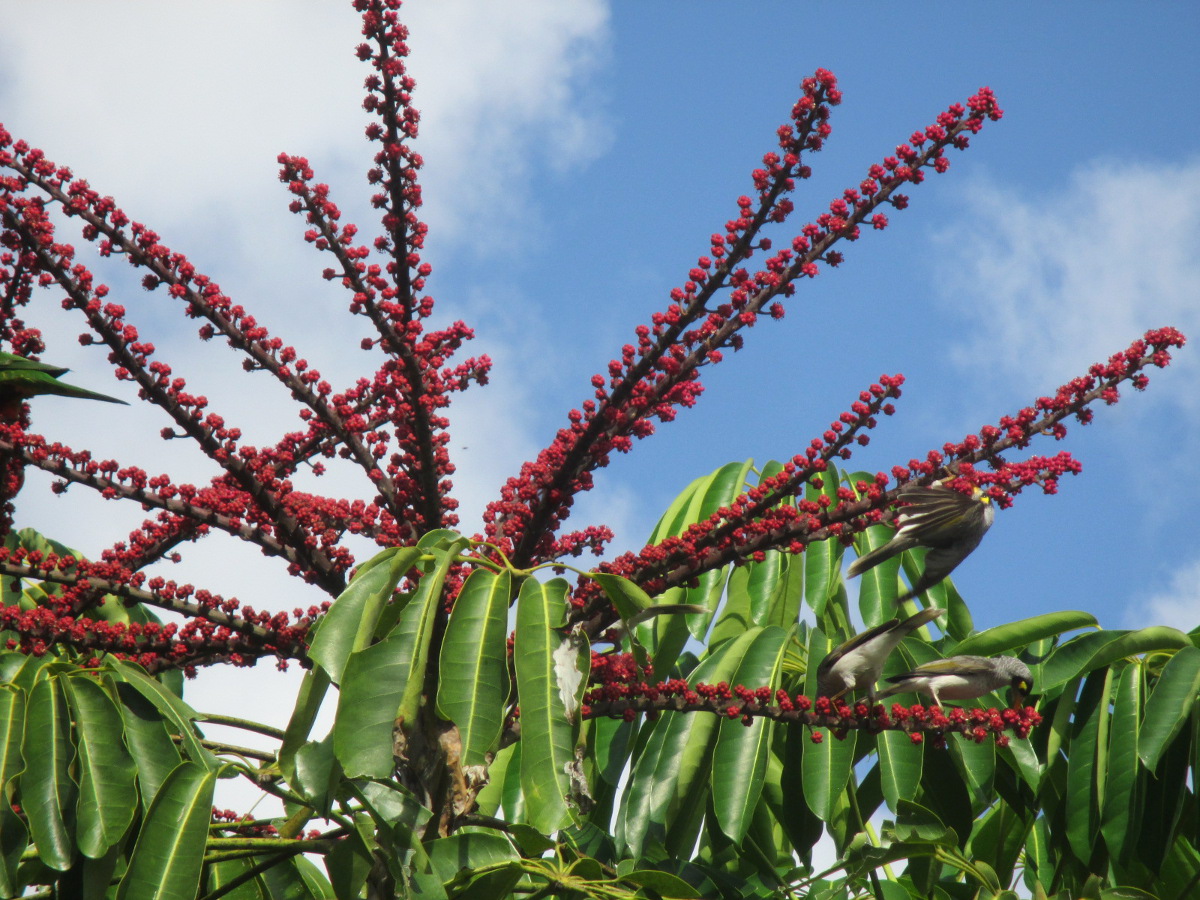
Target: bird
pixel 22 378
pixel 965 677
pixel 949 523
pixel 858 663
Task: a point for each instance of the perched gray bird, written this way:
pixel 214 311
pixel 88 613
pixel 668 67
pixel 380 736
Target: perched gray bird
pixel 965 677
pixel 858 663
pixel 948 522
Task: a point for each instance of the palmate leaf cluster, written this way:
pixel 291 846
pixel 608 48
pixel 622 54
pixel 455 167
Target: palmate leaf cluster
pixel 111 780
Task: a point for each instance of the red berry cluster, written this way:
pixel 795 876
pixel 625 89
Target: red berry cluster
pixel 628 698
pixel 660 373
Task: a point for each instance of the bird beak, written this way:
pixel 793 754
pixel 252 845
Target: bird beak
pixel 1020 690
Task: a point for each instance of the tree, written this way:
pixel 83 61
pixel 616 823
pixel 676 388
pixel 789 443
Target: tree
pixel 652 727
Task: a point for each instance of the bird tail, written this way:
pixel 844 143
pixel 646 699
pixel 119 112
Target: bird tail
pixel 874 558
pixel 923 617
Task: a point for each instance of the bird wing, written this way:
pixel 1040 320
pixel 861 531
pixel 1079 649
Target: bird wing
pixel 936 513
pixel 964 666
pixel 854 643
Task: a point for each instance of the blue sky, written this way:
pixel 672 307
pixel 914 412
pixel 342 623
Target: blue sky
pixel 578 156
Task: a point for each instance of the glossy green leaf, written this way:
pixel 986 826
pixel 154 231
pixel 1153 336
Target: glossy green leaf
pixel 316 774
pixel 14 836
pixel 473 686
pixel 313 688
pixel 736 615
pixel 1082 802
pixel 899 767
pixel 547 737
pixel 219 874
pixel 166 860
pixel 287 881
pixel 1169 705
pixel 367 704
pixel 351 860
pixel 697 502
pixel 774 589
pixel 470 851
pixel 489 797
pixel 998 837
pixel 417 630
pixel 154 753
pixel 1023 760
pixel 1016 635
pixel 670 779
pixel 627 597
pixel 1081 655
pixel 390 804
pixel 741 751
pixel 382 684
pixel 827 763
pixel 107 787
pixel 350 623
pixel 1121 808
pixel 822 560
pixel 48 793
pixel 879 586
pixel 181 716
pixel 976 764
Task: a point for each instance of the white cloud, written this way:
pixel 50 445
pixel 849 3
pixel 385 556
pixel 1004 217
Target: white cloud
pixel 182 126
pixel 1177 605
pixel 1051 283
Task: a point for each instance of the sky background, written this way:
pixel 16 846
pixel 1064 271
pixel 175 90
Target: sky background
pixel 577 158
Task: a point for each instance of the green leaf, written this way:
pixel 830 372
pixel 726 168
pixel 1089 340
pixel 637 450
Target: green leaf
pixel 350 861
pixel 741 751
pixel 174 710
pixel 1014 635
pixel 1082 801
pixel 317 773
pixel 287 880
pixel 547 737
pixel 695 503
pixel 14 836
pixel 154 753
pixel 879 586
pixel 390 804
pixel 1082 654
pixel 822 560
pixel 382 684
pixel 1122 803
pixel 627 597
pixel 826 765
pixel 417 630
pixel 107 788
pixel 1169 705
pixel 662 883
pixel 670 781
pixel 474 685
pixel 469 851
pixel 350 623
pixel 977 765
pixel 48 793
pixel 219 874
pixel 899 767
pixel 309 698
pixel 166 860
pixel 490 796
